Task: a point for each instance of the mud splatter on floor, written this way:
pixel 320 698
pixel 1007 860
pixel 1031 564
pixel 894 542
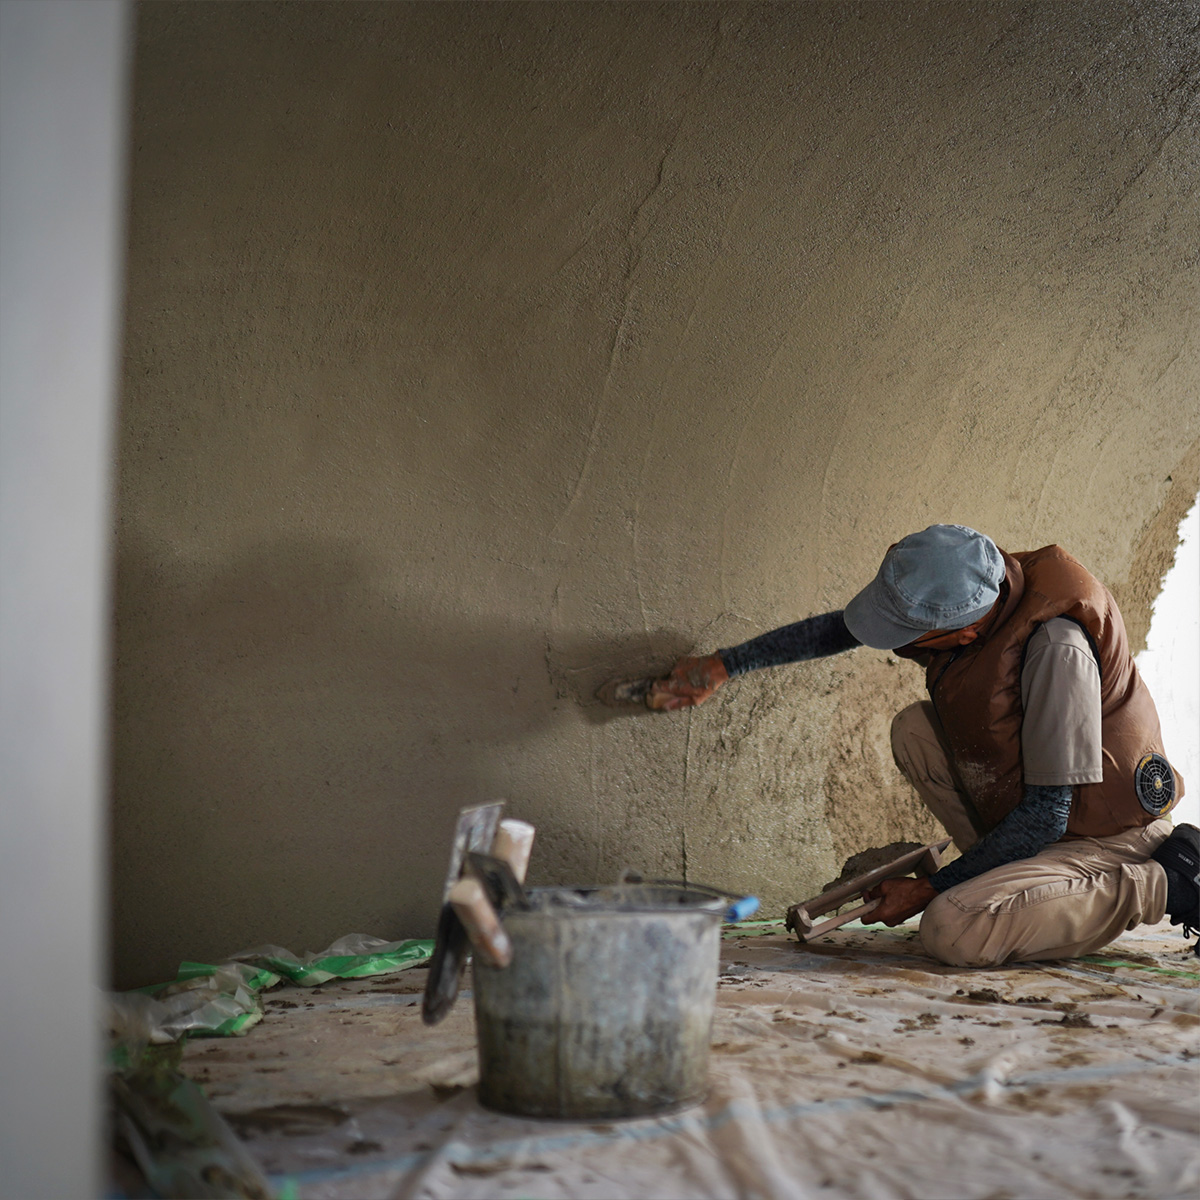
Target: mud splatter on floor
pixel 972 1083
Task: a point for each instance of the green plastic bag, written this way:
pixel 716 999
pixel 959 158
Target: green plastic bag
pixel 352 957
pixel 211 1000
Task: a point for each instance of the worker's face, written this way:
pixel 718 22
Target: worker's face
pixel 946 639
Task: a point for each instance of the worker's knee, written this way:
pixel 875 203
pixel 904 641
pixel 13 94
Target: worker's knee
pixel 956 937
pixel 909 726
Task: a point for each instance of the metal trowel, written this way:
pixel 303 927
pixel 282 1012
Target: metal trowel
pixel 620 693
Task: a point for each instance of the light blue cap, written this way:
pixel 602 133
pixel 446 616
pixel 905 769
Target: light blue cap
pixel 945 577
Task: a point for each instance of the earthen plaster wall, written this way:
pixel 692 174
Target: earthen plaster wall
pixel 477 353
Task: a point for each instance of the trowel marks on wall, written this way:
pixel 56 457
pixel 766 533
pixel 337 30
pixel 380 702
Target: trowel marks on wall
pixel 479 353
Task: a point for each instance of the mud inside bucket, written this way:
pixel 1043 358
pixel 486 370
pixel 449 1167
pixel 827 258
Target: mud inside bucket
pixel 606 1009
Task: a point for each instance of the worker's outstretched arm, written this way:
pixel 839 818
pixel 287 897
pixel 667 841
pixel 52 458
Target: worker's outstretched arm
pixel 695 679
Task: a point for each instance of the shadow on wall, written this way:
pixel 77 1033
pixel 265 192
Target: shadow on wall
pixel 301 734
pixel 285 719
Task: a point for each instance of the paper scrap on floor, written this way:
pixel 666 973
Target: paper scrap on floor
pixel 852 1067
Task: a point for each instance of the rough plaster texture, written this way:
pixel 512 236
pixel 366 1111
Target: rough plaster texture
pixel 477 353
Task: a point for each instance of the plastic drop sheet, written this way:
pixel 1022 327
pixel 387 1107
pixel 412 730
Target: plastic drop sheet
pixel 855 1067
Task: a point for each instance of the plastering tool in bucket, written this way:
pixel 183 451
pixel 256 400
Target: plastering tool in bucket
pixel 474 830
pixel 469 904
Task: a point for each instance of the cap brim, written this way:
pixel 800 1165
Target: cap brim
pixel 871 627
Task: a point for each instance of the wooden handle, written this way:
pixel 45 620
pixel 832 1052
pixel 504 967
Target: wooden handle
pixel 844 892
pixel 491 942
pixel 815 931
pixel 514 842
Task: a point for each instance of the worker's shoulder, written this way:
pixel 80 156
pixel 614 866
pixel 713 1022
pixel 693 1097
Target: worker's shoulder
pixel 1051 570
pixel 1049 556
pixel 1058 643
pixel 1062 631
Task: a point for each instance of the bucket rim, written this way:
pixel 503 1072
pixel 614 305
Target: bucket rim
pixel 706 903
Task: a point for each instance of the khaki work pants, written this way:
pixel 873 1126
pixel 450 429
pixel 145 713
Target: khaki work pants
pixel 1070 899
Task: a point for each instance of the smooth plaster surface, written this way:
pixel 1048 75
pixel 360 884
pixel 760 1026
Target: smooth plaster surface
pixel 476 353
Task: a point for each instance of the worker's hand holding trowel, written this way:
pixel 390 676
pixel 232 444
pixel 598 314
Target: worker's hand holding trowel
pixel 691 681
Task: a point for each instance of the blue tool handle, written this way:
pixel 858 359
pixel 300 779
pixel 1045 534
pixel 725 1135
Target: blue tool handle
pixel 739 910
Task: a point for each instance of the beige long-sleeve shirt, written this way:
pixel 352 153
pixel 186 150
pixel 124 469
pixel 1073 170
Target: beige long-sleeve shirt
pixel 1060 693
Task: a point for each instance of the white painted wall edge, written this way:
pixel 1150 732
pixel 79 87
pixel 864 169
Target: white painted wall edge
pixel 1170 664
pixel 63 119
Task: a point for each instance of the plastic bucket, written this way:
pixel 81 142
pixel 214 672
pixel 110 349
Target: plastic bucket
pixel 606 1008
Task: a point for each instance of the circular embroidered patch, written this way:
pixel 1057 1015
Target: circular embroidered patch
pixel 1154 782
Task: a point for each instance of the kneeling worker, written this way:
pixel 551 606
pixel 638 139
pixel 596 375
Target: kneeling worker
pixel 1039 748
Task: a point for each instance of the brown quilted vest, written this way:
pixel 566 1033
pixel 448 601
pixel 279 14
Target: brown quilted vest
pixel 976 692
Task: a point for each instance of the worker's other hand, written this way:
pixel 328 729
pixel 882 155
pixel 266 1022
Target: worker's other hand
pixel 901 899
pixel 691 682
